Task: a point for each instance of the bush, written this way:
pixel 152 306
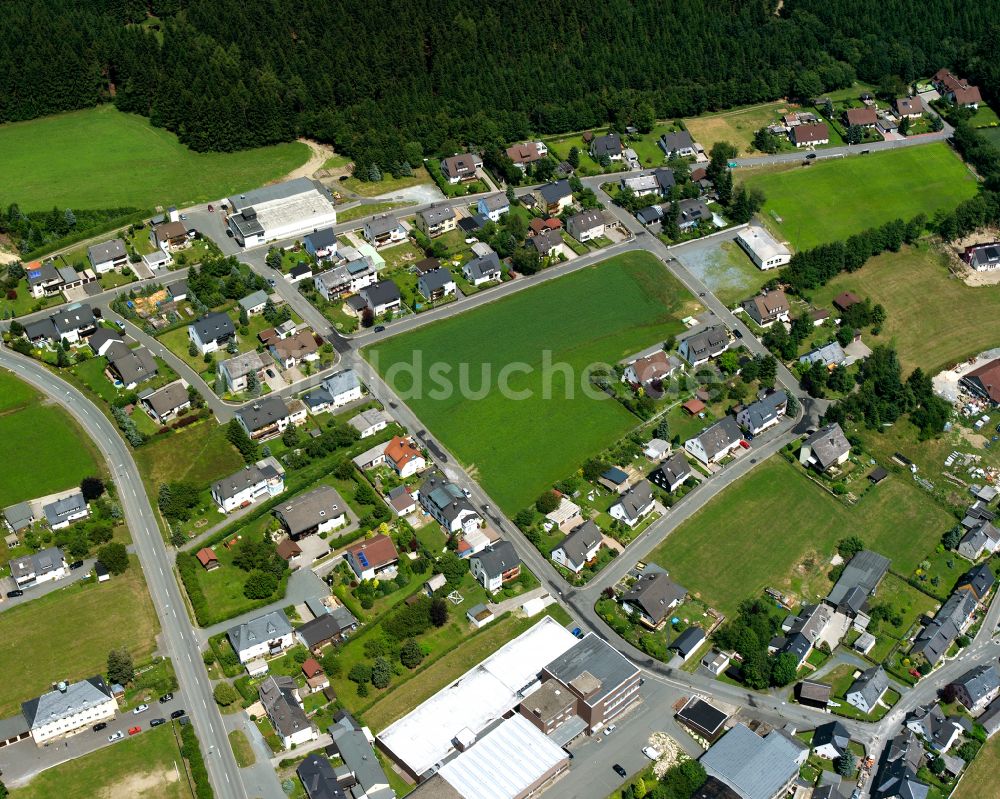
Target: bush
pixel 187 567
pixel 114 557
pixel 411 654
pixel 224 694
pixel 381 673
pixel 196 763
pixel 260 585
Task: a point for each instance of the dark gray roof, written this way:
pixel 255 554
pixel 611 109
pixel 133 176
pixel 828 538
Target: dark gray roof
pixel 58 511
pixel 650 214
pixel 168 398
pixel 692 210
pixel 133 366
pixel 546 241
pixel 178 288
pixel 384 292
pixel 358 755
pixel 688 641
pixel 702 715
pixel 593 656
pixel 555 191
pixel 636 499
pixel 75 318
pixel 980 681
pixel 609 144
pixel 675 468
pixel 766 410
pixel 719 436
pixel 326 627
pixel 665 178
pixel 858 580
pixel 277 694
pixel 41 329
pixel 677 140
pixel 310 509
pixel 585 220
pixel 259 630
pixel 106 251
pixel 381 225
pixel 248 476
pixel 484 266
pixel 833 732
pixel 871 685
pixel 322 239
pixel 41 562
pixel 54 705
pixel 437 214
pixel 980 579
pixel 41 274
pixel 497 558
pixel 263 412
pixel 934 640
pixel 655 592
pixel 581 540
pixel 828 444
pixel 213 326
pixel 102 336
pixel 435 280
pixel 755 767
pixel 318 778
pixel 706 343
pixel 494 202
pixel 897 774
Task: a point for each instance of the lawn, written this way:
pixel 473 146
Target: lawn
pixel 198 454
pixel 540 342
pixel 146 766
pixel 980 781
pixel 67 634
pixel 388 184
pixel 920 298
pixel 832 199
pixel 992 135
pixel 736 127
pixel 242 749
pixel 368 209
pixel 776 529
pixel 40 433
pixel 101 158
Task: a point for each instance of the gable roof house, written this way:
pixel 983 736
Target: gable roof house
pixel 650 215
pixel 369 422
pixel 701 347
pixel 436 284
pixel 608 145
pixel 716 441
pixel 211 332
pixel 321 244
pixel 364 772
pixel 658 183
pixel 634 505
pixel 493 206
pixel 951 620
pixel 548 243
pixel 677 143
pixel 74 323
pixel 866 691
pixel 281 702
pixel 235 372
pixel 671 474
pixel 909 107
pixel 831 740
pixel 957 90
pixel 929 723
pixel 327 628
pixel 482 269
pixel 295 349
pixel 579 547
pixel 318 778
pixel 107 255
pixel 977 581
pixel 864 117
pixel 858 581
pixel 755 767
pixel 102 338
pixel 692 211
pixel 983 537
pixel 767 308
pixel 404 456
pixel 268 417
pixel 448 505
pixel 316 511
pixel 39 567
pixel 167 402
pixel 254 302
pixel 897 773
pixel 382 297
pixel 810 135
pixel 249 484
pixel 371 557
pixel 765 413
pixel 383 230
pixel 64 511
pixel 261 636
pixel 650 369
pixel 495 566
pixel 978 687
pixel 554 197
pixel 458 168
pixel 826 448
pixel 436 220
pixel 652 597
pixel 984 382
pixel 43 280
pixel 586 225
pixel 69 708
pixel 402 499
pixel 130 367
pixel 169 235
pixel 527 153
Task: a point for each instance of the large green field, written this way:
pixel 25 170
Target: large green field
pixel 68 633
pixel 520 446
pixel 774 528
pixel 146 766
pixel 43 438
pixel 101 158
pixel 933 319
pixel 832 199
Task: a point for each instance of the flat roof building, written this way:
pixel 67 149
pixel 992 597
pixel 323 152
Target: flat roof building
pixel 281 211
pixel 763 248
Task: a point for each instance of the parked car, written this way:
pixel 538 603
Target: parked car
pixel 140 709
pixel 745 444
pixel 166 698
pixel 577 632
pixel 270 281
pixel 157 722
pixel 810 156
pixel 120 324
pixel 76 564
pixel 100 726
pixel 177 714
pixel 134 730
pixel 737 333
pixel 610 729
pixel 651 752
pixel 229 232
pixel 184 217
pixel 619 771
pixel 116 736
pixel 14 593
pixel 379 328
pixel 269 372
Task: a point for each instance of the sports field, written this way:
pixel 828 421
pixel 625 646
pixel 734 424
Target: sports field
pixel 520 446
pixel 774 528
pixel 70 632
pixel 832 199
pixel 145 766
pixel 101 158
pixel 933 319
pixel 54 453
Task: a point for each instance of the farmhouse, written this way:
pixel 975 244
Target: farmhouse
pixel 263 479
pixel 458 168
pixel 716 441
pixel 826 448
pixel 957 90
pixel 652 597
pixel 635 504
pixel 107 255
pixel 579 548
pixel 765 413
pixel 436 220
pixel 701 347
pixel 280 698
pixel 212 332
pixel 482 269
pixel 763 248
pixel 868 689
pixel 65 510
pixel 767 307
pixel 384 230
pixel 586 225
pixel 495 566
pixel 281 211
pixel 810 135
pixel 69 709
pixel 167 402
pixel 316 511
pixel 671 474
pixel 755 767
pixel 267 635
pixel 984 382
pixel 493 206
pixel 372 557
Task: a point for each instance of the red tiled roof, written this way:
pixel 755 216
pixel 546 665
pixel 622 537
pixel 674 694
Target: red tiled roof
pixel 861 116
pixel 311 667
pixel 378 551
pixel 694 406
pixel 401 451
pixel 206 556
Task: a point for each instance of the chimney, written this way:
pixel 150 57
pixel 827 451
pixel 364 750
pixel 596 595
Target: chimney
pixel 63 686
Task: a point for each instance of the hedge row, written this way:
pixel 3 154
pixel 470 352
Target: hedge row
pixel 196 763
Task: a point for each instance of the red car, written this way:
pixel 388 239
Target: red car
pixel 134 730
pixel 745 444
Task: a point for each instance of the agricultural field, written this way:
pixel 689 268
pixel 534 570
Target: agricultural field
pixel 833 199
pixel 36 432
pixel 920 298
pixel 71 631
pixel 101 158
pixel 518 447
pixel 146 766
pixel 791 549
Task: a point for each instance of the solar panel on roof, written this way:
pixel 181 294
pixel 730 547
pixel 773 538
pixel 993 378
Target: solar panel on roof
pixel 363 559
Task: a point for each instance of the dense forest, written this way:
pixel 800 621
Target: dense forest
pixel 373 77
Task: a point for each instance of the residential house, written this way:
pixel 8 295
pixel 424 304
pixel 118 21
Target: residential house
pixel 527 153
pixel 548 243
pixel 650 369
pixel 459 168
pixel 554 197
pixel 248 485
pixel 635 504
pixel 262 636
pixel 318 511
pixel 650 215
pixel 691 213
pixel 767 307
pixel 74 323
pixel 43 280
pixel 977 581
pixel 130 367
pixel 755 767
pixel 346 279
pixel 811 135
pixel 384 230
pixel 382 297
pixel 436 284
pixel 404 457
pixel 483 269
pixel 321 244
pixel 280 699
pixel 102 338
pixel 978 687
pixel 107 255
pixel 614 479
pixel 316 679
pixel 62 512
pixel 212 332
pixel 656 449
pixel 863 117
pixel 269 416
pixel 236 371
pixel 166 403
pixel 704 345
pixel 677 143
pixel 344 387
pixel 652 597
pixel 608 146
pixel 579 547
pixel 436 220
pixel 39 567
pixel 19 517
pixel 327 629
pixel 957 90
pixel 657 183
pixel 984 382
pixel 803 632
pixel 671 474
pixel 929 723
pixel 831 740
pixel 896 777
pixel 493 206
pixel 586 225
pixel 298 348
pixel 716 441
pixel 169 235
pixel 763 414
pixel 982 538
pixel 42 332
pixel 448 505
pixel 495 566
pixel 858 581
pixel 403 499
pixel 983 257
pixel 868 689
pixel 909 107
pixel 826 448
pixel 318 778
pixel 69 709
pixel 951 621
pixel 372 557
pixel 830 355
pixel 369 422
pixel 362 770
